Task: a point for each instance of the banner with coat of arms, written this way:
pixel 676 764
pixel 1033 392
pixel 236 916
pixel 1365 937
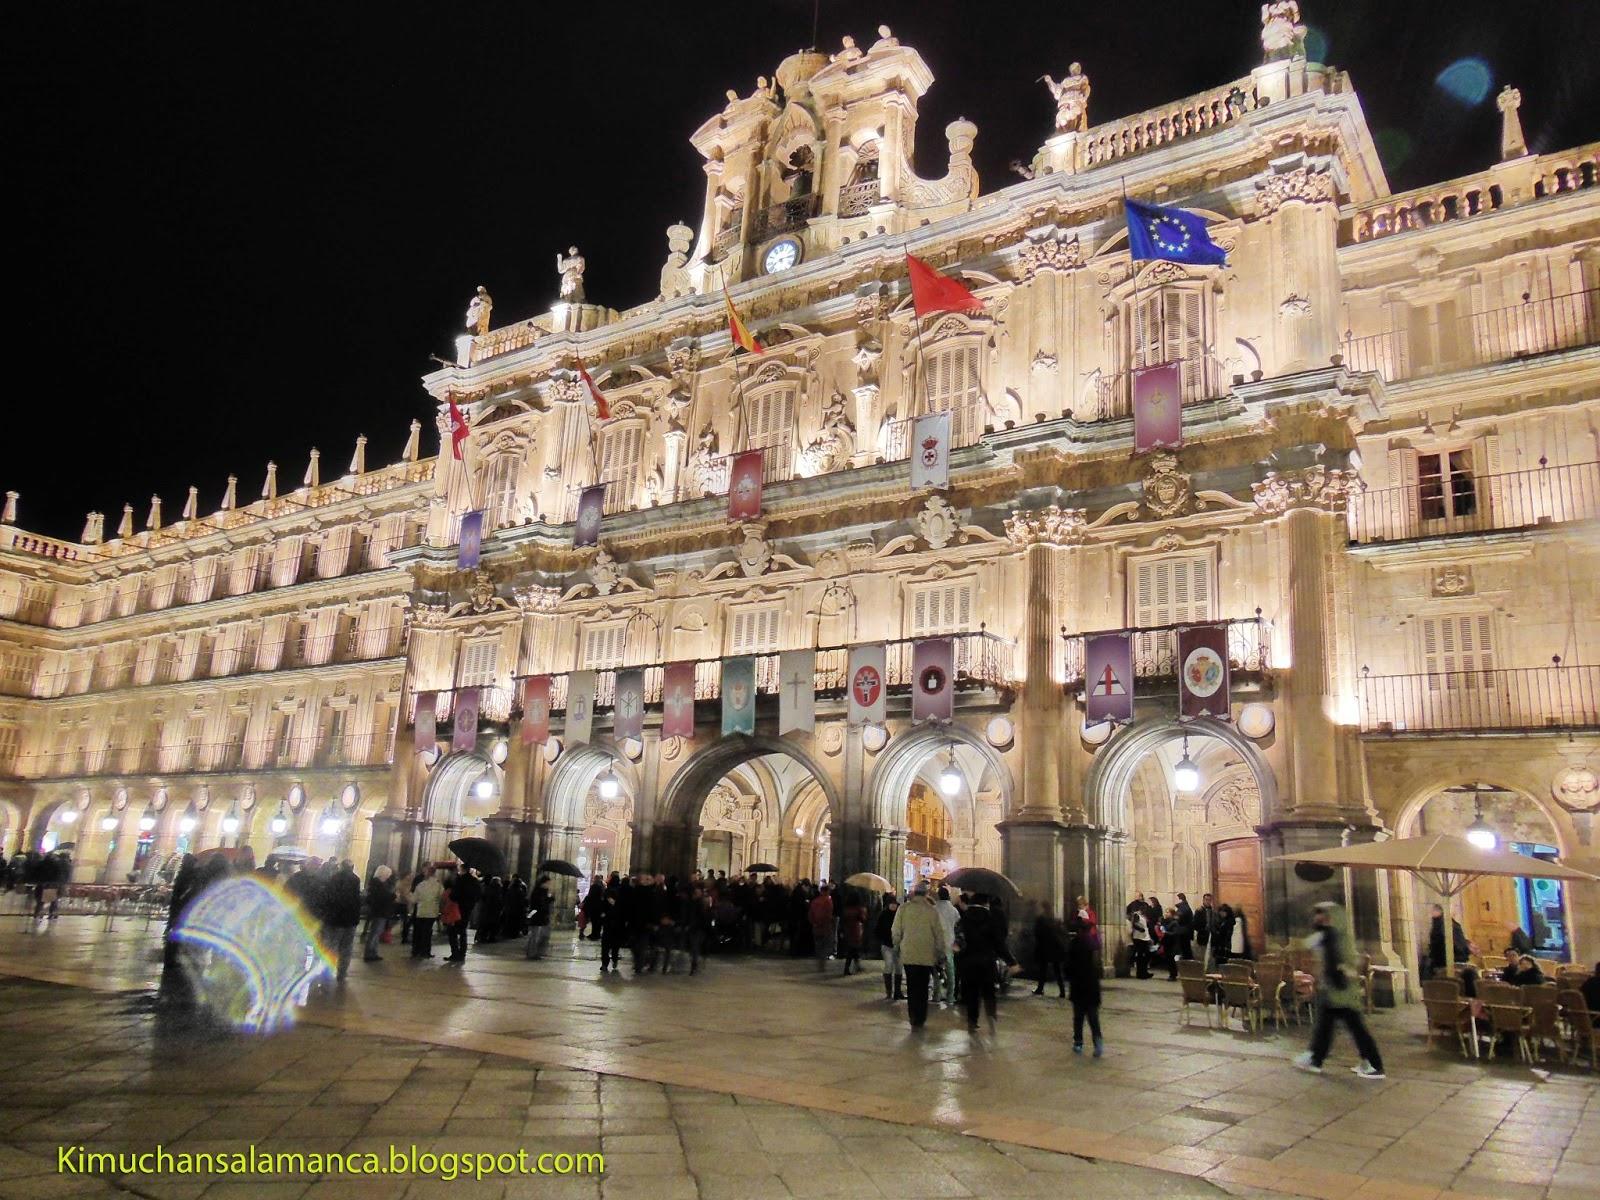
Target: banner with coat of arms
pixel 536 710
pixel 468 552
pixel 1203 682
pixel 867 685
pixel 932 684
pixel 464 726
pixel 1158 408
pixel 930 451
pixel 427 724
pixel 628 718
pixel 591 507
pixel 744 486
pixel 580 707
pixel 677 700
pixel 739 695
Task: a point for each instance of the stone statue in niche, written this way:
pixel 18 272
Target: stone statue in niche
pixel 1071 97
pixel 478 310
pixel 674 279
pixel 570 266
pixel 1282 34
pixel 705 464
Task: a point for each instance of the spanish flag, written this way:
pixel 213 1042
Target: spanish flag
pixel 736 327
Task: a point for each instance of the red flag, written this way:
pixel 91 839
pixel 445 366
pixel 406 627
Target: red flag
pixel 677 700
pixel 744 486
pixel 934 292
pixel 458 428
pixel 601 408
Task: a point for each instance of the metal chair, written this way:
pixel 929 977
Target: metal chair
pixel 1508 1017
pixel 1449 1013
pixel 1241 994
pixel 1274 981
pixel 1582 1035
pixel 1195 988
pixel 1541 1001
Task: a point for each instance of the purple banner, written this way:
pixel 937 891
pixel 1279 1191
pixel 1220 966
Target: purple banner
pixel 1157 408
pixel 427 725
pixel 677 700
pixel 932 686
pixel 591 506
pixel 628 719
pixel 471 540
pixel 1108 677
pixel 464 725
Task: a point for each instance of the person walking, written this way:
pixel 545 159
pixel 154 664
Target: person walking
pixel 884 932
pixel 592 912
pixel 427 901
pixel 380 904
pixel 541 905
pixel 403 904
pixel 853 930
pixel 950 916
pixel 514 922
pixel 341 913
pixel 1172 942
pixel 1185 946
pixel 982 948
pixel 1083 976
pixel 613 925
pixel 820 916
pixel 1050 948
pixel 1338 994
pixel 921 943
pixel 491 911
pixel 1222 935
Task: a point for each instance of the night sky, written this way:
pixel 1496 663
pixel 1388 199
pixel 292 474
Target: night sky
pixel 238 230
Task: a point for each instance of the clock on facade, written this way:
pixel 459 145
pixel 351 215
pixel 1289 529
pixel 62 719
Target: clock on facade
pixel 781 255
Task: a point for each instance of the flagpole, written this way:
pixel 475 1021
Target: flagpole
pixel 1135 319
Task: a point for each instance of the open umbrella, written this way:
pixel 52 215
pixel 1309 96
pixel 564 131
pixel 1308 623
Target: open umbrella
pixel 480 854
pixel 289 854
pixel 982 879
pixel 560 866
pixel 1446 863
pixel 761 869
pixel 871 882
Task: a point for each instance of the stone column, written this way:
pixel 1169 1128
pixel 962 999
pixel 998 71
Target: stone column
pixel 828 179
pixel 888 856
pixel 708 219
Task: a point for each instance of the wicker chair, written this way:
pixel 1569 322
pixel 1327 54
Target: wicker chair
pixel 1582 1035
pixel 1449 1013
pixel 1541 1001
pixel 1275 982
pixel 1509 1018
pixel 1241 994
pixel 1196 989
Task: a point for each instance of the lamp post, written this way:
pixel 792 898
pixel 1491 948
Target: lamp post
pixel 1186 775
pixel 230 822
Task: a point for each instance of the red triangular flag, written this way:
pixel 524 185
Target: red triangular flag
pixel 458 428
pixel 934 292
pixel 601 408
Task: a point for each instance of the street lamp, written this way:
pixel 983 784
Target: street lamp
pixel 610 786
pixel 484 788
pixel 950 777
pixel 108 823
pixel 147 821
pixel 230 821
pixel 332 820
pixel 190 818
pixel 68 816
pixel 280 821
pixel 1480 833
pixel 1186 776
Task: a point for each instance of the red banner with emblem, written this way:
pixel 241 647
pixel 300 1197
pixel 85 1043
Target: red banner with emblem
pixel 932 680
pixel 1203 682
pixel 677 700
pixel 744 486
pixel 1157 408
pixel 536 710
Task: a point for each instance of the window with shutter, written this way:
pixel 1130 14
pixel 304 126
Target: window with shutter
pixel 502 497
pixel 1446 490
pixel 754 629
pixel 1171 589
pixel 1457 648
pixel 950 379
pixel 940 608
pixel 478 662
pixel 1168 326
pixel 620 452
pixel 603 646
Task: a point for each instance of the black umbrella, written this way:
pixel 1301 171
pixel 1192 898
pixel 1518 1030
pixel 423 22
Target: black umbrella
pixel 981 879
pixel 761 869
pixel 481 854
pixel 560 866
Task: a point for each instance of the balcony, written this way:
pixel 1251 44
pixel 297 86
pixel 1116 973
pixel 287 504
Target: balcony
pixel 982 660
pixel 196 758
pixel 855 199
pixel 1155 650
pixel 1509 501
pixel 784 216
pixel 966 427
pixel 1498 335
pixel 1556 698
pixel 1128 136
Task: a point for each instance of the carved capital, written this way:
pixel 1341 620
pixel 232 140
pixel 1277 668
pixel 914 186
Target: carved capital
pixel 1314 487
pixel 1052 526
pixel 1303 184
pixel 1053 253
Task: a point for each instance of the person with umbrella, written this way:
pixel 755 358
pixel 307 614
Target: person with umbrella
pixel 1338 994
pixel 465 892
pixel 982 946
pixel 884 932
pixel 542 903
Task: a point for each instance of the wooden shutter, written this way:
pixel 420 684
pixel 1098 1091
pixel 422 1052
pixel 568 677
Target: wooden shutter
pixel 479 660
pixel 1504 502
pixel 943 608
pixel 1172 589
pixel 1182 339
pixel 1458 642
pixel 503 491
pixel 1147 348
pixel 603 645
pixel 771 419
pixel 755 629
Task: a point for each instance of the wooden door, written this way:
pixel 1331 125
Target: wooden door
pixel 1489 912
pixel 1236 882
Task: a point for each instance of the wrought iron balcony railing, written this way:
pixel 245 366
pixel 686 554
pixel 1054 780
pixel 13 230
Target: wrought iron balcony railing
pixel 309 752
pixel 1519 699
pixel 966 427
pixel 1513 500
pixel 784 216
pixel 1155 649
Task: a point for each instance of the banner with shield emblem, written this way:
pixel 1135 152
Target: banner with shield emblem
pixel 739 695
pixel 1203 682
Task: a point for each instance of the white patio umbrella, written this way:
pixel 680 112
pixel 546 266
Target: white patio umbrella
pixel 1446 863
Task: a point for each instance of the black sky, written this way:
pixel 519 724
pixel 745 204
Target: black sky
pixel 238 230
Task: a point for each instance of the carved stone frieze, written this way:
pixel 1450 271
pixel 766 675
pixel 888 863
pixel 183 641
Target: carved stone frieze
pixel 1053 253
pixel 1452 580
pixel 1303 184
pixel 1166 491
pixel 1313 487
pixel 1051 526
pixel 566 388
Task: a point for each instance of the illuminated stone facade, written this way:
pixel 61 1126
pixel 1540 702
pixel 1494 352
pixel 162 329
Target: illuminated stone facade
pixel 1389 487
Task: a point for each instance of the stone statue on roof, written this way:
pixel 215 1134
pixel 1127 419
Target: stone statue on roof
pixel 1282 34
pixel 478 310
pixel 571 268
pixel 848 53
pixel 1072 99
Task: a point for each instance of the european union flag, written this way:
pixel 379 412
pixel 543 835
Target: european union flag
pixel 1175 234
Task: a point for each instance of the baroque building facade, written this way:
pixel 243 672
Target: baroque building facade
pixel 1388 489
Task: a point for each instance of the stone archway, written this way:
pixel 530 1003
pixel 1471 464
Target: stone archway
pixel 448 802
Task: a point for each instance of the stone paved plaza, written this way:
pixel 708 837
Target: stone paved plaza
pixel 760 1078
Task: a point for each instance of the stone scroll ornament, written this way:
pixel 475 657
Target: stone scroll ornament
pixel 1203 683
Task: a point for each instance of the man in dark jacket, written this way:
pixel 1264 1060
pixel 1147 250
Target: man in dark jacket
pixel 541 904
pixel 466 890
pixel 1185 947
pixel 1205 923
pixel 380 907
pixel 341 913
pixel 1462 950
pixel 980 947
pixel 1050 949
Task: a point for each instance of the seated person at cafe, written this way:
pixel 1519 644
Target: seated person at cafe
pixel 1591 995
pixel 1526 971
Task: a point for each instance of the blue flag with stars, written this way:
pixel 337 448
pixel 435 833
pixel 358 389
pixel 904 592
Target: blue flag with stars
pixel 1174 234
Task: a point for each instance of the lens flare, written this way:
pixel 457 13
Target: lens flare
pixel 251 954
pixel 1467 80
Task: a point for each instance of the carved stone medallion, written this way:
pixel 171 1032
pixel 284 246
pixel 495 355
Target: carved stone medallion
pixel 1166 490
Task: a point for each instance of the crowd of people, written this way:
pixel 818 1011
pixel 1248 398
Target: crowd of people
pixel 43 876
pixel 1212 934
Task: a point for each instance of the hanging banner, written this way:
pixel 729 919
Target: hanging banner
pixel 1157 408
pixel 933 693
pixel 866 686
pixel 738 695
pixel 1203 682
pixel 465 720
pixel 930 451
pixel 677 700
pixel 580 707
pixel 1108 677
pixel 797 691
pixel 427 725
pixel 471 540
pixel 744 486
pixel 628 718
pixel 591 506
pixel 536 710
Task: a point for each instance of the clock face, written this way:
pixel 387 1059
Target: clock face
pixel 781 255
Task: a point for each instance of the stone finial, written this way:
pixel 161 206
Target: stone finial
pixel 314 470
pixel 152 522
pixel 358 461
pixel 413 443
pixel 230 498
pixel 269 489
pixel 1512 143
pixel 94 529
pixel 9 516
pixel 125 526
pixel 191 506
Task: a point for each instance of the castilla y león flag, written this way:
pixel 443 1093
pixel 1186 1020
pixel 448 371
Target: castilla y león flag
pixel 932 688
pixel 1157 408
pixel 677 700
pixel 930 450
pixel 1203 683
pixel 536 710
pixel 1108 677
pixel 744 487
